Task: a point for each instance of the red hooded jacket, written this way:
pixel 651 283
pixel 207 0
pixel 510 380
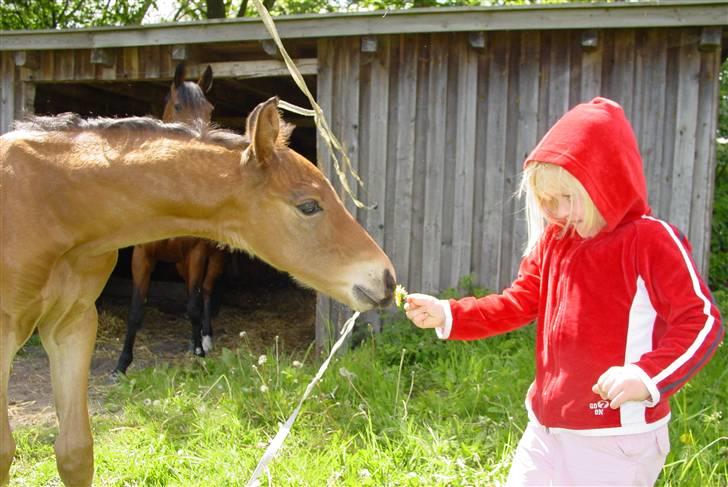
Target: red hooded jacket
pixel 629 295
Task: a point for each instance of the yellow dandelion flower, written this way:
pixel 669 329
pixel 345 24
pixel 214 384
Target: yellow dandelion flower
pixel 400 294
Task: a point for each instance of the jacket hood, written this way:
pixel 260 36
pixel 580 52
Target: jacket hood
pixel 595 143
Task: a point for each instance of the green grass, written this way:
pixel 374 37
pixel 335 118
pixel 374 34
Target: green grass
pixel 401 409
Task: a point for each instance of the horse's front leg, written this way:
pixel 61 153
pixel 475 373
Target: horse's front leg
pixel 70 344
pixel 12 337
pixel 215 266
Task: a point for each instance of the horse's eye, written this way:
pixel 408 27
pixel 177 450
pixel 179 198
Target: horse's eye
pixel 309 207
pixel 177 107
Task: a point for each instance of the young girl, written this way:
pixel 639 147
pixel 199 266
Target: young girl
pixel 623 317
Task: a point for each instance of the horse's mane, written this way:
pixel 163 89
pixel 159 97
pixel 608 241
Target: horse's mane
pixel 66 122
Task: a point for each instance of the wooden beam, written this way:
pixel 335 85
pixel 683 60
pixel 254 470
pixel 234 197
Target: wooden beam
pixel 254 69
pixel 667 13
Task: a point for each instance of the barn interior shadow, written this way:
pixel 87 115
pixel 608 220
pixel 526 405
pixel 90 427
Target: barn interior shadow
pixel 254 305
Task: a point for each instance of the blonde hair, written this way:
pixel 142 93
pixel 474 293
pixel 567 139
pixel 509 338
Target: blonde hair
pixel 540 182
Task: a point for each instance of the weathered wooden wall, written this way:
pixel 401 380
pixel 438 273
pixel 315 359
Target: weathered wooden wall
pixel 438 126
pixel 435 116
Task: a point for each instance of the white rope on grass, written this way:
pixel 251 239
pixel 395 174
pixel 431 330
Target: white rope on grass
pixel 280 437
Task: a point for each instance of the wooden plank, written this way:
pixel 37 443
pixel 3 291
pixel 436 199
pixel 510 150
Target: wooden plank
pixel 511 171
pixel 403 139
pixel 377 109
pixel 84 69
pixel 349 123
pixel 373 116
pixel 466 135
pixel 482 274
pixel 622 74
pixel 449 198
pixel 420 175
pixel 130 64
pixel 45 73
pixel 526 132
pixel 167 65
pixel 109 72
pixel 591 72
pixel 256 69
pixel 559 75
pixel 26 74
pixel 533 17
pixel 575 60
pixel 25 99
pixel 65 65
pixel 391 47
pixel 324 95
pixel 137 65
pixel 686 118
pixel 494 194
pixel 651 64
pixel 347 129
pixel 150 62
pixel 365 115
pixel 544 84
pixel 704 175
pixel 608 64
pixel 7 92
pixel 436 142
pixel 640 89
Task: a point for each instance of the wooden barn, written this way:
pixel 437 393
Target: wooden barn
pixel 436 108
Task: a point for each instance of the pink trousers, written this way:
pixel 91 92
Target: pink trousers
pixel 548 458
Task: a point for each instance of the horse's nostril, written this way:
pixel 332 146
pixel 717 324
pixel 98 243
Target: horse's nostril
pixel 389 282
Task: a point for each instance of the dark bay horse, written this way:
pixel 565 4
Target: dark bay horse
pixel 199 261
pixel 70 197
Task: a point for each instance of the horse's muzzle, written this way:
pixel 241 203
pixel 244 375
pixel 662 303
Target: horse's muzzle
pixel 376 298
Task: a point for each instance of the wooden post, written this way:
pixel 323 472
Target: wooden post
pixel 25 99
pixel 7 91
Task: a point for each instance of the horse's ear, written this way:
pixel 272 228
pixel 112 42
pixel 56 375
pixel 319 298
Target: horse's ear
pixel 263 126
pixel 179 75
pixel 205 80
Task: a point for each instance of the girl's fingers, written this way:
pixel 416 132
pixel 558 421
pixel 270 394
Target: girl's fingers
pixel 604 383
pixel 618 400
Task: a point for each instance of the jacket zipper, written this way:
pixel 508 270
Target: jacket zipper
pixel 556 322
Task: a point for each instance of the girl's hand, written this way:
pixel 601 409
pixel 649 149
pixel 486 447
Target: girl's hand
pixel 424 311
pixel 620 385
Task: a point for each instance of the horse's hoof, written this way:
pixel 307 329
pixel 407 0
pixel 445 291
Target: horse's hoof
pixel 207 343
pixel 199 352
pixel 116 376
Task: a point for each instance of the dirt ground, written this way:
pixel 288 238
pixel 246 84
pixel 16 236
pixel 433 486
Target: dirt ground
pixel 283 310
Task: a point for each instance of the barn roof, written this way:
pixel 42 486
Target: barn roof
pixel 666 13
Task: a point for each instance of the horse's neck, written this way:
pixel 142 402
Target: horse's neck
pixel 157 189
